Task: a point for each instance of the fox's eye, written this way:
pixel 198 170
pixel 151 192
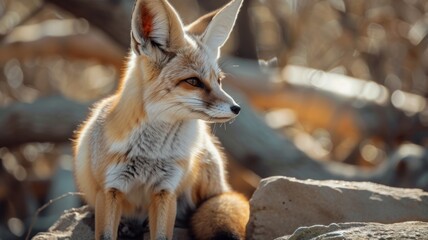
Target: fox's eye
pixel 195 82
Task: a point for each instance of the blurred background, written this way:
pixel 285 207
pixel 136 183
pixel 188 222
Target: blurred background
pixel 330 90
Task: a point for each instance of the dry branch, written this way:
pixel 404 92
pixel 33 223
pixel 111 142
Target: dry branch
pixel 113 17
pixel 31 9
pixel 367 102
pixel 46 120
pixel 79 46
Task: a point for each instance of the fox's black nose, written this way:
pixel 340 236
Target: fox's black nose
pixel 235 109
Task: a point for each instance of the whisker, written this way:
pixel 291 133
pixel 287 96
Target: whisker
pixel 214 128
pixel 166 109
pixel 203 101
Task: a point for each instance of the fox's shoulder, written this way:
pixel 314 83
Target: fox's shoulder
pixel 99 111
pixel 102 108
pixel 95 120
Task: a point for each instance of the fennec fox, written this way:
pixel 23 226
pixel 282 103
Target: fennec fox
pixel 146 151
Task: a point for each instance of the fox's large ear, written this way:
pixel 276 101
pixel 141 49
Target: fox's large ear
pixel 156 29
pixel 215 27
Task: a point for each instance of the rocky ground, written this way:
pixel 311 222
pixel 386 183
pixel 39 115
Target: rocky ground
pixel 287 208
pixel 281 205
pixel 378 231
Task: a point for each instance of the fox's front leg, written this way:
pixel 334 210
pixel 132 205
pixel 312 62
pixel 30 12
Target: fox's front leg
pixel 162 213
pixel 108 210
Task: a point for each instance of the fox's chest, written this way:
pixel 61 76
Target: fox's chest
pixel 152 156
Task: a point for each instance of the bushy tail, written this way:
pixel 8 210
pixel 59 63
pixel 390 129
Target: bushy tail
pixel 221 217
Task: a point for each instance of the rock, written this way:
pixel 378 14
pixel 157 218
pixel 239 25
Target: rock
pixel 280 205
pixel 407 166
pixel 343 231
pixel 78 223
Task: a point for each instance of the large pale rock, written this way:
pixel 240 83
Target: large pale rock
pixel 78 224
pixel 375 231
pixel 280 205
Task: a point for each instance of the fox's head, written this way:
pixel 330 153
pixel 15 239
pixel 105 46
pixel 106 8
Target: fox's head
pixel 176 66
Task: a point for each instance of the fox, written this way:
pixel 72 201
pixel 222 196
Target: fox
pixel 146 152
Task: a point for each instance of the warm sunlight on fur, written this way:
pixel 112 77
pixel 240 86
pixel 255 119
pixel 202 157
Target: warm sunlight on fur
pixel 146 152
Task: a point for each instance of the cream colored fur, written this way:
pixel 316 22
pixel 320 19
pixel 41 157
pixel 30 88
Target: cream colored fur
pixel 147 150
